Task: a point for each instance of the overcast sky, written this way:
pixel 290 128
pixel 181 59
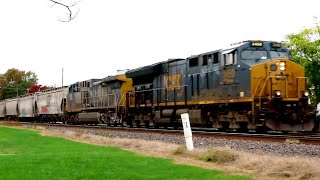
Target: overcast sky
pixel 110 35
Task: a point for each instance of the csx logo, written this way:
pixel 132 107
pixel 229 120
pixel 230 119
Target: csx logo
pixel 173 81
pixel 229 76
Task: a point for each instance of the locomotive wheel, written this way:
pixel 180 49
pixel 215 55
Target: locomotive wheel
pixel 147 124
pixel 100 121
pixel 156 126
pixel 137 122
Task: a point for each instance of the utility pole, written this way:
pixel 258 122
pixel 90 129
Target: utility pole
pixel 11 82
pixel 62 78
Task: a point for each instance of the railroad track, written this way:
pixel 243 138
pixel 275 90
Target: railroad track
pixel 313 139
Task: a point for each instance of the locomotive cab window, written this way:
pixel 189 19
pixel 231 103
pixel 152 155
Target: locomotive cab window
pixel 254 54
pixel 215 58
pixel 229 57
pixel 115 85
pixel 278 54
pixel 193 62
pixel 209 58
pixel 204 60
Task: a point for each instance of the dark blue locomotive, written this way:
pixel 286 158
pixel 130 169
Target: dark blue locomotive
pixel 249 85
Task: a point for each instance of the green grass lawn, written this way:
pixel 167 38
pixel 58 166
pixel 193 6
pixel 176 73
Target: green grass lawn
pixel 25 154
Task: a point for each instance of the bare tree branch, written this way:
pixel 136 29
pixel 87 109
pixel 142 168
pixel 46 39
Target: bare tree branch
pixel 70 14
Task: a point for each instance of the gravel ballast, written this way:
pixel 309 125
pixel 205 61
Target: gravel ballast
pixel 274 148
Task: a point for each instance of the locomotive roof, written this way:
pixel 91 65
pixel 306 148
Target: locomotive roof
pixel 145 70
pixel 92 80
pixel 236 45
pixel 173 60
pixel 153 68
pixel 110 79
pixel 231 47
pixel 150 69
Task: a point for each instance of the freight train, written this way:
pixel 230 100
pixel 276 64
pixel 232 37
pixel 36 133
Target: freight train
pixel 251 85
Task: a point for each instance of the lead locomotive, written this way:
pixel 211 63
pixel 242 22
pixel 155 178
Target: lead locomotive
pixel 249 85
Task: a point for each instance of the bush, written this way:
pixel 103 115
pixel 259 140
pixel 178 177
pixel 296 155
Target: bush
pixel 179 150
pixel 219 156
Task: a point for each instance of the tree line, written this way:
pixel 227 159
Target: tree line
pixel 15 83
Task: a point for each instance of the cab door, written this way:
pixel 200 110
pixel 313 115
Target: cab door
pixel 229 75
pixel 175 81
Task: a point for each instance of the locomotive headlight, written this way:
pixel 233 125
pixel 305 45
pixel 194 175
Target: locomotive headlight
pixel 306 93
pixel 282 66
pixel 277 93
pixel 273 67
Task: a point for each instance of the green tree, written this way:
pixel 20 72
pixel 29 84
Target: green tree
pixel 15 82
pixel 305 50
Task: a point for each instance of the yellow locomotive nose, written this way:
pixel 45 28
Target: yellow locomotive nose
pixel 279 88
pixel 285 77
pixel 279 78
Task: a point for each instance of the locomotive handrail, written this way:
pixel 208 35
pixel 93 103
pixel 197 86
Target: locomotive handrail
pixel 298 89
pixel 254 93
pixel 121 100
pixel 152 90
pixel 95 102
pixel 264 85
pixel 155 89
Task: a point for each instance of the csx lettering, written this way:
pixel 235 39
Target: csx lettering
pixel 173 82
pixel 229 76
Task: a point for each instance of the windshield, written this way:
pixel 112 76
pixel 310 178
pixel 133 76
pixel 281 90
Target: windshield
pixel 276 54
pixel 254 54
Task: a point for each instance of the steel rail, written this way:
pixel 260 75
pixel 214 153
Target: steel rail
pixel 313 139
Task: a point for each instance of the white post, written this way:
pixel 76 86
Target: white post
pixel 187 130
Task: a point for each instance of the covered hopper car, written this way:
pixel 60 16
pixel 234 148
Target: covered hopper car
pixel 44 106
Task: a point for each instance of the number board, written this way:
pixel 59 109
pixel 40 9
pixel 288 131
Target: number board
pixel 276 45
pixel 256 44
